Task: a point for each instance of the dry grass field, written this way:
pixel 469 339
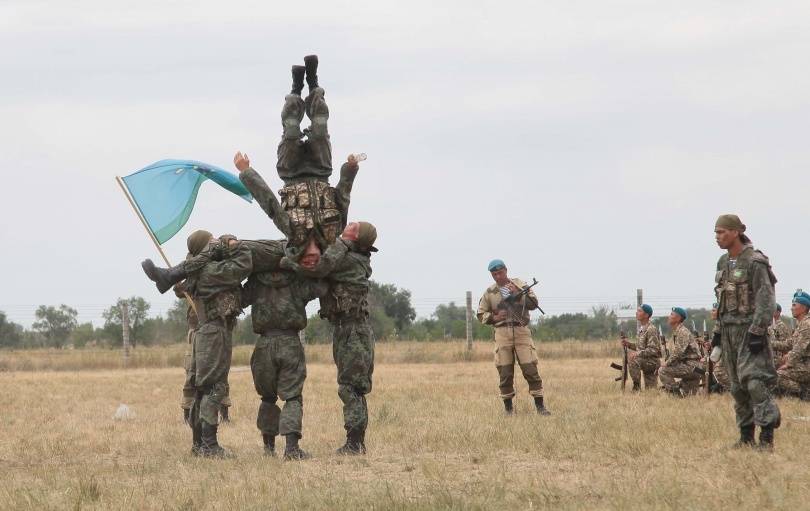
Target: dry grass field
pixel 437 440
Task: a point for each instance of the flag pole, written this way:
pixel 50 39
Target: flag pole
pixel 151 234
pixel 141 218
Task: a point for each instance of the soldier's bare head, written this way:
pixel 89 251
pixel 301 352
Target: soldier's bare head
pixel 311 256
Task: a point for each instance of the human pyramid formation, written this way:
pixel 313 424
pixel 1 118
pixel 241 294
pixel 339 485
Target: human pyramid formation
pixel 282 277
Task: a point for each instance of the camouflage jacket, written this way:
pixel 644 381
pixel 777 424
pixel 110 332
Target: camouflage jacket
pixel 517 314
pixel 265 255
pixel 780 336
pixel 799 354
pixel 347 271
pixel 649 344
pixel 216 287
pixel 745 290
pixel 279 299
pixel 271 205
pixel 684 346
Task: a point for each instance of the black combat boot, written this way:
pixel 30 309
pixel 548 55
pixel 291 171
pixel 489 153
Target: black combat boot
pixel 292 451
pixel 209 447
pixel 164 278
pixel 354 444
pixel 223 413
pixel 269 444
pixel 746 437
pixel 187 416
pixel 508 408
pixel 636 386
pixel 765 438
pixel 541 408
pixel 298 79
pixel 311 65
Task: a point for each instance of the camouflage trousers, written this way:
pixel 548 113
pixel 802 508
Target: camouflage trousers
pixel 279 369
pixel 685 371
pixel 647 366
pixel 211 363
pixel 511 344
pixel 189 389
pixel 721 375
pixel 353 352
pixel 751 376
pixel 794 380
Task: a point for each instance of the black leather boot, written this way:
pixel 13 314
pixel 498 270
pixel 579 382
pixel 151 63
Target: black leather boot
pixel 766 438
pixel 292 451
pixel 541 409
pixel 746 437
pixel 298 79
pixel 164 278
pixel 311 66
pixel 196 439
pixel 269 445
pixel 187 416
pixel 209 447
pixel 636 386
pixel 224 414
pixel 508 408
pixel 354 444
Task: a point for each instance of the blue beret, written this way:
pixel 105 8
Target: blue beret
pixel 679 311
pixel 496 264
pixel 647 309
pixel 802 298
pixel 778 308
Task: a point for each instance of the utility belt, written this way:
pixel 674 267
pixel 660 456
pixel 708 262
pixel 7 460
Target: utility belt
pixel 510 324
pixel 277 332
pixel 347 319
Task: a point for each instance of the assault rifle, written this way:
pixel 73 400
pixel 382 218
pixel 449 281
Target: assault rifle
pixel 663 343
pixel 623 367
pixel 512 299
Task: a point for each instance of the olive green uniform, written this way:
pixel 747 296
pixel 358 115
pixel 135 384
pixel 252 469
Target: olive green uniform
pixel 347 271
pixel 216 292
pixel 513 339
pixel 745 293
pixel 278 364
pixel 682 363
pixel 794 376
pixel 648 357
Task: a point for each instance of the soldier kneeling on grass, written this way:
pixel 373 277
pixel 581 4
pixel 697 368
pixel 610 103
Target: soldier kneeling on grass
pixel 684 361
pixel 513 339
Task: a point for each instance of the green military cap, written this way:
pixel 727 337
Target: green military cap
pixel 730 222
pixel 197 241
pixel 367 235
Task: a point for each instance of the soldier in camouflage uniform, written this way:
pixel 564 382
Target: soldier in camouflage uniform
pixel 216 293
pixel 513 339
pixel 278 311
pixel 684 360
pixel 745 292
pixel 645 356
pixel 779 335
pixel 794 371
pixel 346 265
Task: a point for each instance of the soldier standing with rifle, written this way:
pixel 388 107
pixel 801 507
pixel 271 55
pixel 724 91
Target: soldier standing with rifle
pixel 505 305
pixel 745 292
pixel 645 355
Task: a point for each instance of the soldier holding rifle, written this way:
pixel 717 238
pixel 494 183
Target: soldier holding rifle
pixel 505 305
pixel 645 355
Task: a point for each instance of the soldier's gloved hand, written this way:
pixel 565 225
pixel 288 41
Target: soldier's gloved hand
pixel 187 415
pixel 756 343
pixel 716 339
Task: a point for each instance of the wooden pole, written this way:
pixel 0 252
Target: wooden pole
pixel 639 297
pixel 150 233
pixel 469 322
pixel 125 330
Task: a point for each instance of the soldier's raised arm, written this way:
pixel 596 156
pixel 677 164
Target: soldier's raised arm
pixel 327 263
pixel 257 187
pixel 343 190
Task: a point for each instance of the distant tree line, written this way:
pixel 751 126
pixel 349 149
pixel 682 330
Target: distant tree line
pixel 392 317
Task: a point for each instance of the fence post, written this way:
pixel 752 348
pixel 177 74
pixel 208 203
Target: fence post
pixel 639 298
pixel 469 322
pixel 125 331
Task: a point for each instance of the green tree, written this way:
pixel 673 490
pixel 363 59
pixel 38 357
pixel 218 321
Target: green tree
pixel 10 333
pixel 138 310
pixel 55 324
pixel 82 334
pixel 394 303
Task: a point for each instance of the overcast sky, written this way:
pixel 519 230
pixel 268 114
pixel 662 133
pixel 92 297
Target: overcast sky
pixel 588 144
